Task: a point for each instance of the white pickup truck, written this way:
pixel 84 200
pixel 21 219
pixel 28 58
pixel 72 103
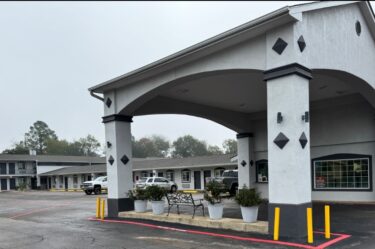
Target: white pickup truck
pixel 96 186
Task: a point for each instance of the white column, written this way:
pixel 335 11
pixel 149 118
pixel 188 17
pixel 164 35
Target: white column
pixel 246 164
pixel 288 157
pixel 119 163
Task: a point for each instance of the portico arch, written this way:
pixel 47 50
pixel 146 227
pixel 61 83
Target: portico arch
pixel 271 69
pixel 225 96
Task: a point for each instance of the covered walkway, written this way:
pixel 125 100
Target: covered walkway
pixel 297 85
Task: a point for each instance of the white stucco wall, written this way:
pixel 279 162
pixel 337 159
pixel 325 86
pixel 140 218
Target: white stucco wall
pixel 336 127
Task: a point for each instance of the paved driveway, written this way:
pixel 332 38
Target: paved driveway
pixel 60 220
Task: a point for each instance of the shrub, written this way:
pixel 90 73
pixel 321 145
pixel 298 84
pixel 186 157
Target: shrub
pixel 213 192
pixel 22 186
pixel 155 193
pixel 138 194
pixel 248 197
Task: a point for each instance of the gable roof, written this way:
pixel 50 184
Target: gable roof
pixel 261 25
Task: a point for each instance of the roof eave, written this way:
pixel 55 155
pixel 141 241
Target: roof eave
pixel 225 36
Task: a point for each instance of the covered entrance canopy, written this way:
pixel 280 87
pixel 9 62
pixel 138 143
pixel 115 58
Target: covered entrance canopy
pixel 260 79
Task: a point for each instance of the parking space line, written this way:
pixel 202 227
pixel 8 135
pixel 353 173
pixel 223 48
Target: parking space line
pixel 266 241
pixel 333 241
pixel 36 211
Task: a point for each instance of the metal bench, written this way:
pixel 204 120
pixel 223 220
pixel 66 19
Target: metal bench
pixel 183 199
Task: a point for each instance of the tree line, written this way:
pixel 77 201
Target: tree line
pixel 44 141
pixel 185 146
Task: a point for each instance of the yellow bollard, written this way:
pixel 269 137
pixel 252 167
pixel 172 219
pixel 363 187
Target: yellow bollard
pixel 327 219
pixel 98 207
pixel 102 210
pixel 276 224
pixel 310 238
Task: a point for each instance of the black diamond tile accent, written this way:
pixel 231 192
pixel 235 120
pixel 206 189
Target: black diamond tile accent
pixel 109 145
pixel 281 140
pixel 124 159
pixel 279 46
pixel 303 140
pixel 301 43
pixel 108 102
pixel 243 163
pixel 111 160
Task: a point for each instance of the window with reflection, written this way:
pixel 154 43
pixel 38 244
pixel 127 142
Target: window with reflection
pixel 342 172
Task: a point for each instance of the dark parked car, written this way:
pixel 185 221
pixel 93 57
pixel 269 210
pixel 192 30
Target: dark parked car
pixel 229 179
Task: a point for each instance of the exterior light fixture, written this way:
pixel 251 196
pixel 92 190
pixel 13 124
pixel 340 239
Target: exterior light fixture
pixel 305 117
pixel 109 145
pixel 279 118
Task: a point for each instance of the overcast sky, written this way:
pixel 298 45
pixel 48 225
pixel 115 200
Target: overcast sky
pixel 52 52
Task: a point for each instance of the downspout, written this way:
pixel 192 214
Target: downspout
pixel 96 96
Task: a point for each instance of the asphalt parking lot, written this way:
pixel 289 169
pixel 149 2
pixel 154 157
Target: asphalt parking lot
pixel 60 220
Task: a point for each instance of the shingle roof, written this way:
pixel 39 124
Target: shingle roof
pixel 150 164
pixel 52 158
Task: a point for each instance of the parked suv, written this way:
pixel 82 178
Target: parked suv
pixel 160 181
pixel 95 186
pixel 229 180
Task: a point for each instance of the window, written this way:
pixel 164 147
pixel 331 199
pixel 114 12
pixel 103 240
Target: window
pixel 158 180
pixel 170 175
pixel 342 172
pixel 218 172
pixel 75 179
pixel 82 178
pixel 12 168
pixel 3 169
pixel 261 171
pixel 144 174
pixel 160 174
pixel 185 175
pixel 230 173
pixel 22 166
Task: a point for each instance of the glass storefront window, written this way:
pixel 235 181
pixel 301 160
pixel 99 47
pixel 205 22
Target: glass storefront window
pixel 349 173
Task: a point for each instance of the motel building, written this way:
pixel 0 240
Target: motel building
pixel 296 85
pixel 69 172
pixel 27 170
pixel 188 173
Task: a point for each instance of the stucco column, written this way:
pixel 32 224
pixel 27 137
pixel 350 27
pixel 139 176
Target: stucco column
pixel 245 156
pixel 119 163
pixel 288 147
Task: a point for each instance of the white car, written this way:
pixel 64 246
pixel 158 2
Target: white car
pixel 160 181
pixel 95 186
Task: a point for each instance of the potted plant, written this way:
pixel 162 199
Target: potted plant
pixel 156 196
pixel 212 195
pixel 249 201
pixel 139 196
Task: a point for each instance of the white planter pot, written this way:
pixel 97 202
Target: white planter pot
pixel 157 207
pixel 140 206
pixel 215 211
pixel 249 214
